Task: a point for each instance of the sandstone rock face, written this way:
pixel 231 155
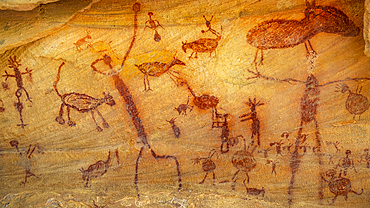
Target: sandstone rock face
pixel 367 27
pixel 185 104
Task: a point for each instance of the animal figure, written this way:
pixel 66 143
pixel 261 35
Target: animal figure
pixel 207 165
pixel 176 130
pixel 183 108
pixel 202 45
pixel 356 103
pixel 82 40
pixel 156 69
pixel 255 121
pixel 95 170
pixel 339 185
pixel 204 101
pixel 81 102
pixel 153 24
pixel 254 191
pixel 283 33
pixel 14 64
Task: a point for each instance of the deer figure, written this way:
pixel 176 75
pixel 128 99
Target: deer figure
pixel 156 69
pixel 182 108
pixel 95 170
pixel 283 33
pixel 82 40
pixel 82 103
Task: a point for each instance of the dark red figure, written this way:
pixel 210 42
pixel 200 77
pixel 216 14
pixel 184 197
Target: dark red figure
pixel 176 129
pixel 14 64
pixel 153 24
pixel 207 165
pixel 255 121
pixel 283 33
pixel 82 103
pixel 205 101
pixel 278 146
pixel 208 24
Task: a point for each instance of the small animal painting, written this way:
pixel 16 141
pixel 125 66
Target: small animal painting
pixel 156 69
pixel 254 191
pixel 82 103
pixel 203 45
pixel 82 41
pixel 183 108
pixel 95 170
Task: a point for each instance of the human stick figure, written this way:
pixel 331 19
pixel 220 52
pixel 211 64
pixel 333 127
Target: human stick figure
pixel 14 64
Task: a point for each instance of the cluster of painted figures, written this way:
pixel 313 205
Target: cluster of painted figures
pixel 272 34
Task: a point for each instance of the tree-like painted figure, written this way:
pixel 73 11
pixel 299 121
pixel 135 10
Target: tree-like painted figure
pixel 131 108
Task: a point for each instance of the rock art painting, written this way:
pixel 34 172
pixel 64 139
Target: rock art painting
pixel 107 103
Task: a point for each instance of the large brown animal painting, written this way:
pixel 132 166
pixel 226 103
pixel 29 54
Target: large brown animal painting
pixel 81 102
pixel 283 33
